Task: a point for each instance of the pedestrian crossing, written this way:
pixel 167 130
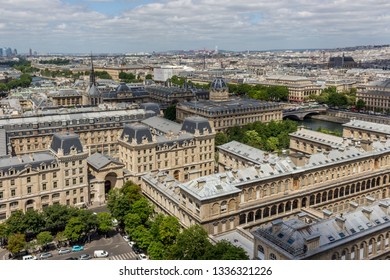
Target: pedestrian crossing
pixel 125 256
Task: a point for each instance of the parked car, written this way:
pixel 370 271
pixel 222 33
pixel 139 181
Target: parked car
pixel 71 258
pixel 85 257
pixel 29 257
pixel 63 251
pixel 77 248
pixel 142 257
pixel 126 238
pixel 100 254
pixel 45 256
pixel 136 249
pixel 131 243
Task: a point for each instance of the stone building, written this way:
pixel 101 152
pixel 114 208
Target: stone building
pixel 98 129
pixel 36 180
pixel 275 187
pixel 376 95
pixel 310 142
pixel 299 88
pixel 363 233
pixel 184 151
pixel 224 111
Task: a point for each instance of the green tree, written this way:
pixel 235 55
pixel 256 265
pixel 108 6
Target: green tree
pixel 360 104
pixel 169 229
pixel 272 144
pixel 34 221
pixel 118 204
pixel 224 250
pixel 3 87
pixel 57 216
pixel 104 222
pixel 170 113
pixel 220 139
pixel 132 221
pixel 3 233
pixel 191 244
pixel 252 138
pixel 88 219
pixel 156 250
pixel 16 223
pixel 148 77
pixel 143 237
pixel 44 238
pixel 143 208
pixel 74 229
pixel 16 243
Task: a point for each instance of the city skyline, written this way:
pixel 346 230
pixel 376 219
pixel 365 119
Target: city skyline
pixel 69 26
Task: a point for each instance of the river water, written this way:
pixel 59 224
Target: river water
pixel 314 124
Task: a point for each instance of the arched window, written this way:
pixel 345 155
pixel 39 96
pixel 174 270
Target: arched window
pixel 260 252
pixel 272 256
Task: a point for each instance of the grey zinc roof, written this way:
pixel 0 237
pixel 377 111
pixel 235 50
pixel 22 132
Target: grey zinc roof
pixel 163 125
pixel 66 141
pixel 375 127
pixel 136 131
pixel 98 161
pixel 151 107
pixel 246 151
pixel 291 234
pixel 218 84
pixel 234 105
pixel 21 162
pixel 318 137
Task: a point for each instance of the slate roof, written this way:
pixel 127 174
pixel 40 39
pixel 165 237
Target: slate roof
pixel 190 124
pixel 374 127
pixel 21 162
pixel 136 131
pixel 98 161
pixel 66 141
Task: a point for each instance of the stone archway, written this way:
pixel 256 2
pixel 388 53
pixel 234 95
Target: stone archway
pixel 30 205
pixel 109 182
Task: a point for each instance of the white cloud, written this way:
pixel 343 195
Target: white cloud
pixel 191 24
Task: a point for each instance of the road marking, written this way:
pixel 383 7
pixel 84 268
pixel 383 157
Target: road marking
pixel 125 256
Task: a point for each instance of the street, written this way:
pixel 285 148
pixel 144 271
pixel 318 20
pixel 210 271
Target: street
pixel 117 248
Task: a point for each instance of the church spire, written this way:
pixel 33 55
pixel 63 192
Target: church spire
pixel 92 80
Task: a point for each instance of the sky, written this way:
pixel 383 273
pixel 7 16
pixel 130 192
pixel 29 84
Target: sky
pixel 127 26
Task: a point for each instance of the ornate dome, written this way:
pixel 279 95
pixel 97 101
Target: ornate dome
pixel 219 84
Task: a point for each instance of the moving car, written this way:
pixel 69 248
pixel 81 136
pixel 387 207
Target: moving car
pixel 63 251
pixel 100 254
pixel 45 256
pixel 77 248
pixel 85 257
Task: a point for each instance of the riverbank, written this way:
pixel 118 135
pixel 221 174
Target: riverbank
pixel 330 118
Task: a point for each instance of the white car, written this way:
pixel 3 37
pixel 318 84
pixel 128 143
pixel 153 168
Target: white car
pixel 131 243
pixel 100 254
pixel 142 257
pixel 126 238
pixel 63 251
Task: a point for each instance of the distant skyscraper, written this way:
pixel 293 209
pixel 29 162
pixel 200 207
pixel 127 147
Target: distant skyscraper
pixel 8 52
pixel 1 52
pixel 30 52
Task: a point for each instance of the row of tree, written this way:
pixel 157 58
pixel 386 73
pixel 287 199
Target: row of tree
pixel 161 236
pixel 272 136
pixel 261 92
pixel 55 222
pixel 56 61
pixel 332 98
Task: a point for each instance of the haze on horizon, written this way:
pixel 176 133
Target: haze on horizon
pixel 121 26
